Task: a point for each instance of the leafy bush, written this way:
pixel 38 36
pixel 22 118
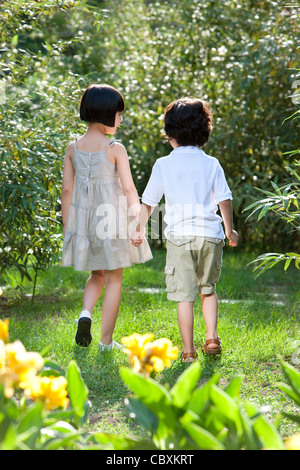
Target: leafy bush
pixel 284 203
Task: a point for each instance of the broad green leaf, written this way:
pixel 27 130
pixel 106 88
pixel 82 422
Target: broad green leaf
pixel 201 396
pixel 226 405
pixel 78 392
pixel 233 388
pixel 203 438
pixel 290 392
pixel 9 440
pixel 267 434
pixel 152 394
pixel 185 384
pixel 142 414
pixel 292 375
pixel 31 423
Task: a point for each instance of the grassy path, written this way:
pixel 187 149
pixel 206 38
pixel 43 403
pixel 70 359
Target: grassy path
pixel 258 319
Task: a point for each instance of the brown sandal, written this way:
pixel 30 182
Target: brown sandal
pixel 207 350
pixel 189 355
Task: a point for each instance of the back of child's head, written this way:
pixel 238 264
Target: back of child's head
pixel 100 103
pixel 188 121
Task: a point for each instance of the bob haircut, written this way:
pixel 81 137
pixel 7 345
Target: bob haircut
pixel 100 103
pixel 188 121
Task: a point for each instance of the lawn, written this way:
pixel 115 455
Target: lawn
pixel 258 320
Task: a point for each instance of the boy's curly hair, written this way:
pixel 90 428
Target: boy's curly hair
pixel 188 121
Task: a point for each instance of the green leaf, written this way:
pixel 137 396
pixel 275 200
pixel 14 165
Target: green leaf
pixel 203 438
pixel 142 414
pixel 201 396
pixel 30 424
pixel 233 388
pixel 185 384
pixel 287 263
pixel 9 440
pixel 292 375
pixel 152 394
pixel 15 40
pixel 224 403
pixel 267 434
pixel 78 393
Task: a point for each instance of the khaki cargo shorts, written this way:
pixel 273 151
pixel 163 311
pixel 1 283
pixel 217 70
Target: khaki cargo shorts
pixel 193 266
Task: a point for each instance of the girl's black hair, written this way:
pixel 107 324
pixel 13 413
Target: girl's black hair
pixel 188 121
pixel 100 103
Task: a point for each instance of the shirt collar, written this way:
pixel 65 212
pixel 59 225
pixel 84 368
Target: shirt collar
pixel 186 149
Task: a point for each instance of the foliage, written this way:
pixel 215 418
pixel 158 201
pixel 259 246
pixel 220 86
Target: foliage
pixel 292 388
pixel 33 400
pixel 186 416
pixel 235 54
pixel 285 204
pixel 31 102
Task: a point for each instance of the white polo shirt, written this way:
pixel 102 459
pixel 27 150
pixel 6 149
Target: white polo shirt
pixel 193 183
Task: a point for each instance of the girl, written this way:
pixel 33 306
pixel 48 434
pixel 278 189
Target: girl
pixel 99 201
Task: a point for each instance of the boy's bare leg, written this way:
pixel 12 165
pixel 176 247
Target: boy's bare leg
pixel 185 316
pixel 210 313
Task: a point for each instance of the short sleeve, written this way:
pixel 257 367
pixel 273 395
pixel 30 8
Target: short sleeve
pixel 154 189
pixel 221 191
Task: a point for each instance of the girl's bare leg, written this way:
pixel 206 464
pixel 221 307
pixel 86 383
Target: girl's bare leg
pixel 93 289
pixel 111 303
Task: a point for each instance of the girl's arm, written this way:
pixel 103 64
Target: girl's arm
pixel 138 235
pixel 124 172
pixel 226 213
pixel 67 184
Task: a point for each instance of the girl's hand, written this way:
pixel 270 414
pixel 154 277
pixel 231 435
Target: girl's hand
pixel 137 238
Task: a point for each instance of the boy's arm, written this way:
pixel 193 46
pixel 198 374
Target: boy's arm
pixel 226 213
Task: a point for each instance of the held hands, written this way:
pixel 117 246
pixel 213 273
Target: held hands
pixel 137 237
pixel 233 238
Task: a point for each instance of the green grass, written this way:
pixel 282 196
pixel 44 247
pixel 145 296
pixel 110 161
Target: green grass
pixel 258 320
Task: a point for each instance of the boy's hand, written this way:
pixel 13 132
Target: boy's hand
pixel 137 238
pixel 233 238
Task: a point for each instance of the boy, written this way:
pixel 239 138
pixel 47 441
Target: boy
pixel 193 184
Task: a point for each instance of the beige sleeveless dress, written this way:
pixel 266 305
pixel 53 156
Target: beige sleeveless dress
pixel 98 225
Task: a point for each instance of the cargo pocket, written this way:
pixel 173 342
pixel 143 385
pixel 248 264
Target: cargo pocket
pixel 170 278
pixel 179 241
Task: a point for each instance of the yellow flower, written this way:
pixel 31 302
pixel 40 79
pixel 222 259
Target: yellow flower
pixel 51 390
pixel 136 349
pixel 160 353
pixel 147 356
pixel 293 443
pixel 17 366
pixel 135 343
pixel 4 336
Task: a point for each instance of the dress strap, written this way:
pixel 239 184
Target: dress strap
pixel 111 143
pixel 75 143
